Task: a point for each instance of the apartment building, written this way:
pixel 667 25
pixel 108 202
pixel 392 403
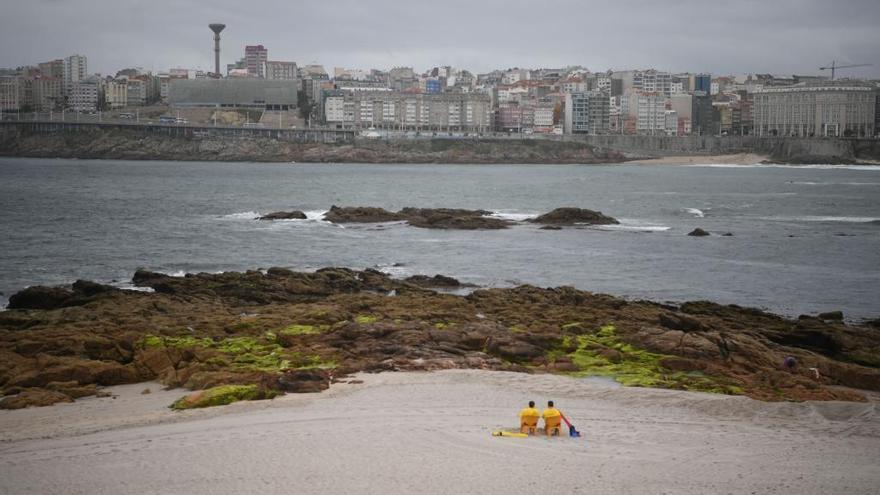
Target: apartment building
pixel 587 113
pixel 11 93
pixel 255 57
pixel 86 94
pixel 278 70
pixel 815 109
pixel 75 70
pixel 116 93
pixel 384 108
pixel 48 93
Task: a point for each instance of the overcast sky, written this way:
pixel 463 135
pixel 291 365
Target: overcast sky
pixel 732 37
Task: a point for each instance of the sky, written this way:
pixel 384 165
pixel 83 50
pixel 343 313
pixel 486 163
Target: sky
pixel 733 37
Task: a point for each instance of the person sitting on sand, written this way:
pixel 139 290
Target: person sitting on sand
pixel 552 419
pixel 528 419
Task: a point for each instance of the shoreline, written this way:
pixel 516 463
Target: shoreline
pixel 634 440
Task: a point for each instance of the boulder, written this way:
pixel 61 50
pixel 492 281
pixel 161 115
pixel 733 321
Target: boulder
pixel 34 397
pixel 39 297
pixel 832 315
pixel 88 288
pixel 435 281
pixel 284 215
pixel 680 322
pixel 304 381
pixel 698 232
pixel 451 218
pixel 572 216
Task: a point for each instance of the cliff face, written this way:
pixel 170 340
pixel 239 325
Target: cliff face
pixel 132 145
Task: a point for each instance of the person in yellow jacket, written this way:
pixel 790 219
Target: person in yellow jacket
pixel 528 419
pixel 552 419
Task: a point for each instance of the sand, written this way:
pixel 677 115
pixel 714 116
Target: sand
pixel 734 159
pixel 430 433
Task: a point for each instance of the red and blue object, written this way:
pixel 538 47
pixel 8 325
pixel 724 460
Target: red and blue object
pixel 572 432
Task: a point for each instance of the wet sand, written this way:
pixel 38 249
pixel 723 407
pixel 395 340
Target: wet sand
pixel 431 433
pixel 734 159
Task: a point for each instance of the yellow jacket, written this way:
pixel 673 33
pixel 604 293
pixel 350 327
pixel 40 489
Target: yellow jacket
pixel 551 412
pixel 529 412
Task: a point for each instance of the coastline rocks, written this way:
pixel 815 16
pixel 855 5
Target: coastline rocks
pixel 39 297
pixel 427 218
pixel 360 214
pixel 831 315
pixel 34 397
pixel 435 281
pixel 304 381
pixel 572 216
pixel 698 232
pixel 284 215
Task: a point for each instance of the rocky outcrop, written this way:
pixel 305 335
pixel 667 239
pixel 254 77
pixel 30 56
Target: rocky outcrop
pixel 698 232
pixel 283 331
pixel 429 218
pixel 573 216
pixel 284 215
pixel 435 281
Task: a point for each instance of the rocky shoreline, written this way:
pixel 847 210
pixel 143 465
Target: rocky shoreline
pixel 252 335
pixel 131 145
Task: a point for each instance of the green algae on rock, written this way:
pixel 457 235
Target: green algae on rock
pixel 221 396
pixel 602 353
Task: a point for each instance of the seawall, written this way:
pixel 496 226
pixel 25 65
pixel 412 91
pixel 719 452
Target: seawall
pixel 132 141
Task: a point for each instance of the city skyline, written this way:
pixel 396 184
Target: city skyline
pixel 482 37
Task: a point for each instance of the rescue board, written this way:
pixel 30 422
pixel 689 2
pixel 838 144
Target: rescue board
pixel 508 434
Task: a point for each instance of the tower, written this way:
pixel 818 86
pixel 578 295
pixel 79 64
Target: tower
pixel 216 28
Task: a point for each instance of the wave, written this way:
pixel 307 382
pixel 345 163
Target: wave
pixel 516 217
pixel 315 215
pixel 872 168
pixel 244 215
pixel 826 219
pixel 695 212
pixel 633 226
pixel 808 183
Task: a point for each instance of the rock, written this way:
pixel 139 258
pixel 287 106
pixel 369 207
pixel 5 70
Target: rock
pixel 572 216
pixel 698 232
pixel 451 218
pixel 221 396
pixel 284 215
pixel 34 397
pixel 727 234
pixel 304 381
pixel 89 288
pixel 551 227
pixel 146 391
pixel 360 214
pixel 39 297
pixel 435 281
pixel 680 322
pixel 832 315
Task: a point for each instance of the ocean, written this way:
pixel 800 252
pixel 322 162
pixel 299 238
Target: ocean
pixel 806 239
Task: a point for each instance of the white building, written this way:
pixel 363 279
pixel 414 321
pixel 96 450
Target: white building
pixel 85 95
pixel 821 109
pixel 281 70
pixel 116 93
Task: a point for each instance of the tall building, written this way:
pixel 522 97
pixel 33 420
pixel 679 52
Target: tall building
pixel 819 109
pixel 587 113
pixel 703 82
pixel 75 70
pixel 11 93
pixel 277 70
pixel 255 57
pixel 53 68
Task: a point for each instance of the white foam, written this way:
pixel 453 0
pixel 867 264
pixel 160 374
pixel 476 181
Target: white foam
pixel 817 218
pixel 513 216
pixel 632 226
pixel 872 168
pixel 244 215
pixel 130 286
pixel 695 212
pixel 315 215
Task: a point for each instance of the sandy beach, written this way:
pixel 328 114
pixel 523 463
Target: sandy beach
pixel 431 433
pixel 734 159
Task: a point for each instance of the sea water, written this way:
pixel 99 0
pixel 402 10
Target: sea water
pixel 805 238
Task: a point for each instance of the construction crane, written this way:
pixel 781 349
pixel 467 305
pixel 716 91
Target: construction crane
pixel 833 67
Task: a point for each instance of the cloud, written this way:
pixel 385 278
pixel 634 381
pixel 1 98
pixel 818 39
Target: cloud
pixel 782 36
